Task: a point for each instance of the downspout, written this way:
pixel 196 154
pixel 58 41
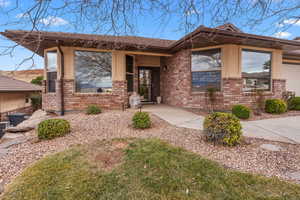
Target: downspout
pixel 62 74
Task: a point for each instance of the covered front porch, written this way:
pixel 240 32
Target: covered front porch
pixel 145 77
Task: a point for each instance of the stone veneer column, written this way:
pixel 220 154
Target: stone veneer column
pixel 232 92
pixel 48 99
pixel 58 96
pixel 176 79
pixel 120 90
pixel 278 87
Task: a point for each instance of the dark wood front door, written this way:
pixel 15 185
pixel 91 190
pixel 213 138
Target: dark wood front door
pixel 149 83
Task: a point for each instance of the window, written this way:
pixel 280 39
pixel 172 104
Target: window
pixel 256 70
pixel 206 69
pixel 51 62
pixel 129 73
pixel 93 72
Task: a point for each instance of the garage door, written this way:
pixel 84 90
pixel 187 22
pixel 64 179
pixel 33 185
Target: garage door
pixel 291 73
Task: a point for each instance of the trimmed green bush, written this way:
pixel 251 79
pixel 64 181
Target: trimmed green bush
pixel 275 106
pixel 141 120
pixel 294 103
pixel 223 127
pixel 241 111
pixel 52 128
pixel 93 110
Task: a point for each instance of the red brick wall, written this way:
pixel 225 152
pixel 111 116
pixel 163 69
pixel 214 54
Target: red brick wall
pixel 176 78
pixel 79 101
pixel 176 86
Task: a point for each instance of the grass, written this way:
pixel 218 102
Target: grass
pixel 140 169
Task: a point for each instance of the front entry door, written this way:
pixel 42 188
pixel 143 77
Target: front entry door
pixel 149 83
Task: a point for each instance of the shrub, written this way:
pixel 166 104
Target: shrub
pixel 275 106
pixel 294 103
pixel 36 101
pixel 38 80
pixel 223 127
pixel 241 111
pixel 52 128
pixel 93 110
pixel 141 120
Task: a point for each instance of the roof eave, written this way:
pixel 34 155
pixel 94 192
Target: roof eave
pixel 48 41
pixel 217 32
pixel 7 91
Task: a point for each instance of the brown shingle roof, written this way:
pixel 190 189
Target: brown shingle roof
pixel 29 39
pixel 8 84
pixel 203 36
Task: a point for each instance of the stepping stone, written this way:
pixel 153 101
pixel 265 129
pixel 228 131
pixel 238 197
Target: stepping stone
pixel 3 152
pixel 1 186
pixel 270 147
pixel 12 135
pixel 294 175
pixel 15 141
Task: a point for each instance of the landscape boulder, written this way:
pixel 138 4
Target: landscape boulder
pixel 30 123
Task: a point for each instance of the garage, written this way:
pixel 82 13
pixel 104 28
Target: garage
pixel 291 72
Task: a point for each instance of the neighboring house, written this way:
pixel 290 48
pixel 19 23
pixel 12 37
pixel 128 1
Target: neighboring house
pixel 15 96
pixel 83 69
pixel 23 75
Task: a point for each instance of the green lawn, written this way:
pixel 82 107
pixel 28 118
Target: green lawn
pixel 140 169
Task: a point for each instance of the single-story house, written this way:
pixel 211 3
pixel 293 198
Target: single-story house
pixel 15 96
pixel 83 69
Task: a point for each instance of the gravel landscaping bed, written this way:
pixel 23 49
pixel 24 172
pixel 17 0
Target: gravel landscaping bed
pixel 247 157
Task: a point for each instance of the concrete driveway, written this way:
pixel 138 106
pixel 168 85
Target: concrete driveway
pixel 285 129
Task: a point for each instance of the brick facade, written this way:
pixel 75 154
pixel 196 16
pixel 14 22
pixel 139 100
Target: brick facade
pixel 73 101
pixel 176 87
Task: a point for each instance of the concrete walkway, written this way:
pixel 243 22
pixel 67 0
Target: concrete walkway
pixel 176 116
pixel 285 129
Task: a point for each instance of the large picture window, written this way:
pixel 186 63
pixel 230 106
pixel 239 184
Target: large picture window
pixel 93 71
pixel 206 69
pixel 51 68
pixel 256 70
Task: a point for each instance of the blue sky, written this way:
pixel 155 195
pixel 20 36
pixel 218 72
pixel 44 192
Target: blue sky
pixel 149 25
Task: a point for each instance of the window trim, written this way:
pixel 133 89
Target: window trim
pixel 220 47
pixel 74 71
pixel 130 73
pixel 46 67
pixel 257 50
